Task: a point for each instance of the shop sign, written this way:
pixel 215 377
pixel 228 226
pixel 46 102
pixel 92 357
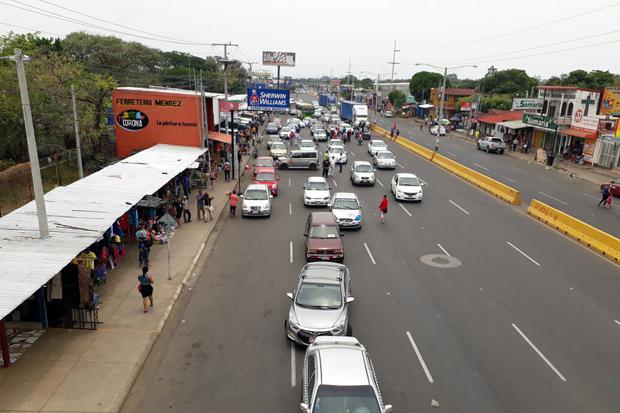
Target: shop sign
pixel 527 104
pixel 278 59
pixel 618 129
pixel 465 106
pixel 269 99
pixel 610 103
pixel 228 106
pixel 132 120
pixel 540 121
pixel 584 122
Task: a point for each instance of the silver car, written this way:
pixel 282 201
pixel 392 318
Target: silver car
pixel 362 173
pixel 384 160
pixel 256 201
pixel 339 377
pixel 319 303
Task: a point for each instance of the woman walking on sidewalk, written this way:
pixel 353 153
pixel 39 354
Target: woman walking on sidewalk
pixel 145 286
pixel 233 199
pixel 383 208
pixel 208 206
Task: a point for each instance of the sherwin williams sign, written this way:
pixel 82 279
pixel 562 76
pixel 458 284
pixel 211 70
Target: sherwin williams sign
pixel 527 104
pixel 269 99
pixel 540 121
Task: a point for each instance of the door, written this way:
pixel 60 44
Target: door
pixel 394 183
pixel 296 159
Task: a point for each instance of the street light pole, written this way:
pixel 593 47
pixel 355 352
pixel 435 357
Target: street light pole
pixel 77 133
pixel 32 145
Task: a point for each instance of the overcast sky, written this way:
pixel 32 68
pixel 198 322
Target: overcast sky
pixel 535 35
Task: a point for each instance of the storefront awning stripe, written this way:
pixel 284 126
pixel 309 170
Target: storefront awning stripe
pixel 220 137
pixel 578 133
pixel 513 124
pixel 78 215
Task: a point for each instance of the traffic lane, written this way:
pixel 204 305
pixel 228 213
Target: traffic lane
pixel 230 353
pixel 584 261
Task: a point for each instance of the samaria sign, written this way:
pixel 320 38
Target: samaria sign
pixel 527 104
pixel 268 99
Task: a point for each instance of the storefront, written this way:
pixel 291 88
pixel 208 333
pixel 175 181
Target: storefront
pixel 545 130
pixel 576 144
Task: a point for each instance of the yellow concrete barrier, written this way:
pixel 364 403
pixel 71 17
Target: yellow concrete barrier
pixel 586 234
pixel 490 185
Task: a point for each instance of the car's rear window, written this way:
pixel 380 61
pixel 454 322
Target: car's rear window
pixel 497 140
pixel 337 399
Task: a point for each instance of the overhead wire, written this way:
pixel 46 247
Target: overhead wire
pixel 30 29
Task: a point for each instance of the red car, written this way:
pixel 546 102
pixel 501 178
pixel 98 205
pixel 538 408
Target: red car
pixel 323 242
pixel 264 161
pixel 614 187
pixel 266 175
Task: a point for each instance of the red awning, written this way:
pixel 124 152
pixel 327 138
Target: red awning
pixel 220 137
pixel 579 133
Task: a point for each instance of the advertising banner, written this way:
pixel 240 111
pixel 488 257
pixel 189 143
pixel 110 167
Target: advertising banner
pixel 144 118
pixel 527 104
pixel 610 103
pixel 228 106
pixel 584 122
pixel 465 106
pixel 269 99
pixel 279 59
pixel 540 121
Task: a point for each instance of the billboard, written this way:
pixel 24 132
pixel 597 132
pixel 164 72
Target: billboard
pixel 269 99
pixel 610 103
pixel 144 118
pixel 228 106
pixel 279 59
pixel 580 121
pixel 527 104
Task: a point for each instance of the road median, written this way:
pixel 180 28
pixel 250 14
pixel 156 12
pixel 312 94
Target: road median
pixel 585 234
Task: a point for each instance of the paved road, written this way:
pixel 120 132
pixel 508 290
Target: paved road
pixel 526 323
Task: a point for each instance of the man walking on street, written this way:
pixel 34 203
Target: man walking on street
pixel 187 215
pixel 325 167
pixel 200 206
pixel 604 194
pixel 226 171
pixel 233 199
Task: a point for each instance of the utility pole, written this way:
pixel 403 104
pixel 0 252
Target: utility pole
pixel 77 134
pixel 250 65
pixel 32 145
pixel 393 63
pixel 350 85
pixel 443 91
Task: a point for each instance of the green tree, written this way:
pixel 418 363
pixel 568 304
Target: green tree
pixel 502 102
pixel 510 81
pixel 421 83
pixel 367 83
pixel 397 98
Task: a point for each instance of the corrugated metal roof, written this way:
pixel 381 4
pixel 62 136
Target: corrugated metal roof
pixel 170 90
pixel 78 214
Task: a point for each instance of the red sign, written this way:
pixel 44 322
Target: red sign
pixel 465 106
pixel 228 106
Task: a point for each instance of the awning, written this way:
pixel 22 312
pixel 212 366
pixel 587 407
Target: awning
pixel 513 124
pixel 219 136
pixel 78 215
pixel 578 133
pixel 425 106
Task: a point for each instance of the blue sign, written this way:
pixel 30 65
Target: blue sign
pixel 269 99
pixel 259 85
pixel 288 81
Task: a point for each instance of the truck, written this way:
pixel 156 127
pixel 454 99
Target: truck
pixel 354 112
pixel 326 100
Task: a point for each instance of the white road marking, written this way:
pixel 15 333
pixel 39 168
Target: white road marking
pixel 546 179
pixel 353 153
pixel 420 359
pixel 423 181
pixel 522 253
pixel 554 198
pixel 617 322
pixel 380 183
pixel 592 196
pixel 458 206
pixel 451 154
pixel 289 182
pixel 370 254
pixel 405 209
pixel 428 144
pixel 399 164
pixel 444 250
pixel 293 367
pixel 335 183
pixel 542 356
pixel 482 167
pixel 509 179
pixel 290 251
pixel 290 209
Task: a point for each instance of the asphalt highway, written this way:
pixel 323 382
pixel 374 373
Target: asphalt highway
pixel 525 320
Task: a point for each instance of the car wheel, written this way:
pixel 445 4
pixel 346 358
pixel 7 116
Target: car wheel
pixel 501 151
pixel 312 166
pixel 284 166
pixel 488 150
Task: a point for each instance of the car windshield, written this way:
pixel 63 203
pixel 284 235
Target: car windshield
pixel 285 129
pixel 265 162
pixel 306 143
pixel 337 399
pixel 316 295
pixel 256 194
pixel 385 155
pixel 265 176
pixel 278 146
pixel 336 149
pixel 323 231
pixel 317 186
pixel 378 144
pixel 319 131
pixel 346 203
pixel 363 168
pixel 408 182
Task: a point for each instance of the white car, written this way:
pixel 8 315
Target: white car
pixel 388 114
pixel 362 173
pixel 339 152
pixel 256 201
pixel 307 121
pixel 442 130
pixel 336 143
pixel 307 144
pixel 277 149
pixel 320 135
pixel 347 209
pixel 316 191
pixel 335 118
pixel 384 160
pixel 326 117
pixel 285 132
pixel 407 187
pixel 375 146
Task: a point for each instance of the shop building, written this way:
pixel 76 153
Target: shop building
pixel 451 97
pixel 491 124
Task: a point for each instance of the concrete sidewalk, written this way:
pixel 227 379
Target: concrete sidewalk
pixel 92 371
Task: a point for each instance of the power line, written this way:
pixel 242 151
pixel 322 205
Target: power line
pixel 30 29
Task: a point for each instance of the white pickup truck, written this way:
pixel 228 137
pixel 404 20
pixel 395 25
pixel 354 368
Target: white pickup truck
pixel 491 144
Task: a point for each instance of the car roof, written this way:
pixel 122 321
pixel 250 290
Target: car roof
pixel 343 365
pixel 346 195
pixel 265 169
pixel 406 175
pixel 390 152
pixel 377 141
pixel 316 179
pixel 324 271
pixel 323 218
pixel 265 157
pixel 257 186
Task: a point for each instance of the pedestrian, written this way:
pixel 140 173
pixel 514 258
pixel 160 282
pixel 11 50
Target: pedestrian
pixel 233 199
pixel 397 133
pixel 207 199
pixel 186 184
pixel 145 286
pixel 200 206
pixel 325 167
pixel 383 208
pixel 178 210
pixel 604 194
pixel 226 171
pixel 187 214
pixel 515 142
pixel 525 147
pixel 213 178
pixel 332 165
pixel 143 236
pixel 340 162
pixel 326 156
pixel 422 125
pixel 392 133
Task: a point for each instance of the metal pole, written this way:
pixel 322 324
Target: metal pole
pixel 443 91
pixel 4 345
pixel 377 94
pixel 278 82
pixel 77 134
pixel 168 248
pixel 393 63
pixel 234 146
pixel 32 147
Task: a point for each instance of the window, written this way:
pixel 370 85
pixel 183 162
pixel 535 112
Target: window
pixel 544 109
pixel 563 109
pixel 570 109
pixel 551 109
pixel 334 399
pixel 309 155
pixel 296 155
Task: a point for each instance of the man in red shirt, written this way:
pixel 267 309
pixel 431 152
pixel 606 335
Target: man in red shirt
pixel 233 199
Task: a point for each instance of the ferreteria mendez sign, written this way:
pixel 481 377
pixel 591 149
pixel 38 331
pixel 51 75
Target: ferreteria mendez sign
pixel 268 99
pixel 527 104
pixel 540 121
